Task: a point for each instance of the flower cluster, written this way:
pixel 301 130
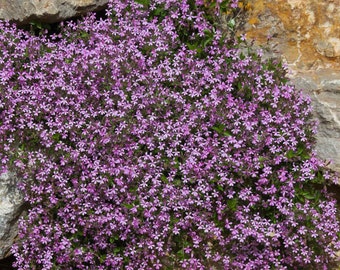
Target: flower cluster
pixel 145 140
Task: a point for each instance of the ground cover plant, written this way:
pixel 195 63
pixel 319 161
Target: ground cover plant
pixel 149 140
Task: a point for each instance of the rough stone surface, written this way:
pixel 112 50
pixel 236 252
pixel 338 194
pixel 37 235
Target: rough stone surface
pixel 11 207
pixel 47 11
pixel 306 34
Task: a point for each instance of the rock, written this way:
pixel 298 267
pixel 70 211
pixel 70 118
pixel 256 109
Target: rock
pixel 306 35
pixel 323 87
pixel 47 11
pixel 11 207
pixel 327 48
pixel 305 31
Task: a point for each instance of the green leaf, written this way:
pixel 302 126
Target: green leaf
pixel 301 152
pixel 164 179
pixel 239 85
pixel 207 41
pixel 319 179
pixel 262 159
pixel 177 182
pixel 231 24
pixel 232 204
pixel 102 258
pixel 128 206
pixel 212 5
pixel 227 133
pixel 221 129
pixel 110 182
pixel 117 250
pixel 113 239
pixel 224 4
pixel 308 195
pixel 305 156
pixel 37 25
pixel 290 154
pixel 56 137
pixel 158 11
pixel 27 54
pixel 192 47
pixel 22 147
pixel 145 3
pixel 84 35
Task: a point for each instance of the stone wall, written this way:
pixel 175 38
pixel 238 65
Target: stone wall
pixel 306 34
pixel 47 11
pixel 11 207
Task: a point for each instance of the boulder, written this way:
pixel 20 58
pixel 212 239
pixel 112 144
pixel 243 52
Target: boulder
pixel 47 11
pixel 306 35
pixel 324 88
pixel 11 207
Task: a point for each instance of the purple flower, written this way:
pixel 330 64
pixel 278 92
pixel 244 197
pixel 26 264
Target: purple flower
pixel 141 146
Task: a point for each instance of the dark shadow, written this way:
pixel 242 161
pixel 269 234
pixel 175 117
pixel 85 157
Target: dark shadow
pixel 36 26
pixel 6 264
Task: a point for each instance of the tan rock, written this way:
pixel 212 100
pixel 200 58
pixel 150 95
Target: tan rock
pixel 306 34
pixel 47 11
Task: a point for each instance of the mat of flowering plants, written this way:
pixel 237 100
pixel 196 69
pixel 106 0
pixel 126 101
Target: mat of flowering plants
pixel 151 139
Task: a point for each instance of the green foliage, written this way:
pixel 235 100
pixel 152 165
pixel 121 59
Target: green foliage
pixel 221 129
pixel 301 153
pixel 38 28
pixel 145 3
pixel 232 204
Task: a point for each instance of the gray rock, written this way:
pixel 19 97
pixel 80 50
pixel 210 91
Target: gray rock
pixel 325 48
pixel 328 148
pixel 11 207
pixel 47 11
pixel 332 84
pixel 323 86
